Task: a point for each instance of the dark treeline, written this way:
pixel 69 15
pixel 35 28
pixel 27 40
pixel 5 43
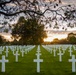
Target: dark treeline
pixel 71 39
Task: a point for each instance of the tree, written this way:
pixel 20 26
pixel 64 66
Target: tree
pixel 1 40
pixel 13 8
pixel 71 38
pixel 6 30
pixel 29 31
pixel 56 41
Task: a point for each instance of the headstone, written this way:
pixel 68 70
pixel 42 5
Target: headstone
pixel 38 55
pixel 70 51
pixel 73 60
pixel 59 49
pixel 74 46
pixel 25 51
pixel 54 52
pixel 51 51
pixel 38 63
pixel 18 48
pixel 38 49
pixel 38 60
pixel 63 51
pixel 13 51
pixel 16 56
pixel 3 61
pixel 6 52
pixel 0 52
pixel 60 56
pixel 22 51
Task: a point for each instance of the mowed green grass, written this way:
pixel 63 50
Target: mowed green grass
pixel 49 66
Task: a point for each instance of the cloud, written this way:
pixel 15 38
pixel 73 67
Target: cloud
pixel 69 1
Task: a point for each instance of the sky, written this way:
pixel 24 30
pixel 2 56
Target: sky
pixel 69 1
pixel 66 1
pixel 54 35
pixel 59 33
pixel 62 27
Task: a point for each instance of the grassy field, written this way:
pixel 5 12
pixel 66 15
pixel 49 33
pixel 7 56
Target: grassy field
pixel 49 66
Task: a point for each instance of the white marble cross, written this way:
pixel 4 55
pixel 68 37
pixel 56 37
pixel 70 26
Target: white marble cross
pixel 0 51
pixel 22 51
pixel 70 51
pixel 54 52
pixel 38 55
pixel 38 63
pixel 73 60
pixel 63 51
pixel 6 52
pixel 3 61
pixel 60 56
pixel 38 51
pixel 13 51
pixel 59 48
pixel 74 47
pixel 16 56
pixel 50 51
pixel 25 51
pixel 38 48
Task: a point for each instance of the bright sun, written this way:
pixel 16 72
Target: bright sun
pixel 51 37
pixel 7 36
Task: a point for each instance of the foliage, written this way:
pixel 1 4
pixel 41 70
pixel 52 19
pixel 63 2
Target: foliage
pixel 29 31
pixel 61 41
pixel 72 38
pixel 1 40
pixel 14 7
pixel 11 9
pixel 6 30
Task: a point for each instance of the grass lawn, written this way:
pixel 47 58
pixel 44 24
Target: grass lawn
pixel 49 66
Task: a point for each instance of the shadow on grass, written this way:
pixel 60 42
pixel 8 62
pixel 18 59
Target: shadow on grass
pixel 1 73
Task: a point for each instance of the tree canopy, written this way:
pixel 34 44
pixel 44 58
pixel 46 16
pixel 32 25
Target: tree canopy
pixel 72 38
pixel 11 9
pixel 29 31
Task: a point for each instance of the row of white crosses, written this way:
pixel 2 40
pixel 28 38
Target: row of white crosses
pixel 73 60
pixel 22 51
pixel 38 60
pixel 14 48
pixel 54 49
pixel 3 60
